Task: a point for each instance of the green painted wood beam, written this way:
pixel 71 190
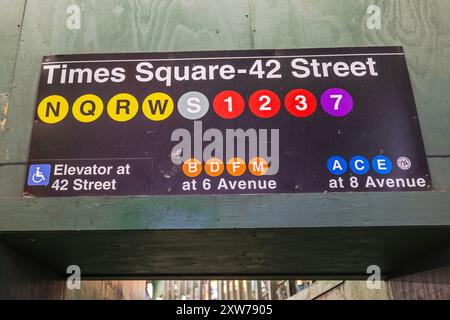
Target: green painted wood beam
pixel 308 253
pixel 221 212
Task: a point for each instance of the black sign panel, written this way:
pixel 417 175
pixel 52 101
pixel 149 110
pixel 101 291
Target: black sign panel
pixel 231 122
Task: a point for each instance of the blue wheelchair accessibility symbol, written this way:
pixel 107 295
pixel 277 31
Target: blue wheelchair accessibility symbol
pixel 39 175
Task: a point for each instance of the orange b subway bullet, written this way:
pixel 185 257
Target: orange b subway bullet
pixel 192 167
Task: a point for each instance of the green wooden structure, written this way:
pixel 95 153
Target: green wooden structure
pixel 308 235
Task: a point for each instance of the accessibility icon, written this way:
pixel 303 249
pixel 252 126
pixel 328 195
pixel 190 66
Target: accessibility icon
pixel 39 174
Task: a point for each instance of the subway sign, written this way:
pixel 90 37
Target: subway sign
pixel 226 122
